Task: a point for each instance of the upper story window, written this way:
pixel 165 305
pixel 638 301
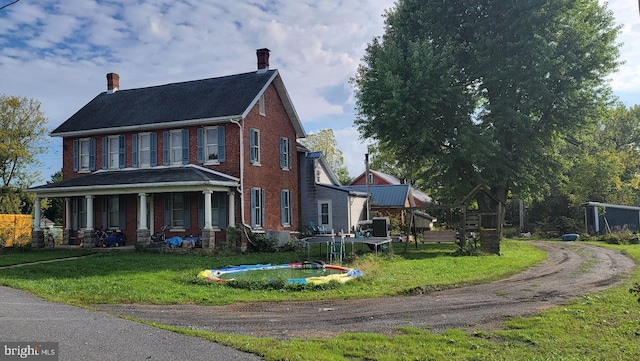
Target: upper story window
pixel 211 145
pixel 175 147
pixel 144 149
pixel 84 155
pixel 261 106
pixel 113 152
pixel 254 146
pixel 285 153
pixel 144 152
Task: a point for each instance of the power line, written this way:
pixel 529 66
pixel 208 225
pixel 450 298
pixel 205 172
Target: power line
pixel 9 4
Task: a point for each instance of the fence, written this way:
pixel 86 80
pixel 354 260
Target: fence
pixel 15 230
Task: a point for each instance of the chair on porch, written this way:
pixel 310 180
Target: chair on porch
pixel 317 229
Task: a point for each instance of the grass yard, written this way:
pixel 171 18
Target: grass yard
pixel 130 277
pixel 602 326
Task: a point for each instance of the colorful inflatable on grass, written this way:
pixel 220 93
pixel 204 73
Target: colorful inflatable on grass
pixel 337 273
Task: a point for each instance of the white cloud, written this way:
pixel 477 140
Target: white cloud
pixel 627 79
pixel 353 149
pixel 58 51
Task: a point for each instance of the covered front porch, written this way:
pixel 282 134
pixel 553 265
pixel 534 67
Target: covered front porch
pixel 189 200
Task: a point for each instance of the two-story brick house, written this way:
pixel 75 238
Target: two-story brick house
pixel 198 156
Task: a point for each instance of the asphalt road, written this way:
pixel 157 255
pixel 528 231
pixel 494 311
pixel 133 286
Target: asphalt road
pixel 84 335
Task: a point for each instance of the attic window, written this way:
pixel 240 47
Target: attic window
pixel 261 107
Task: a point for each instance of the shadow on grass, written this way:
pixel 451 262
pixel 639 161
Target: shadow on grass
pixel 74 266
pixel 413 251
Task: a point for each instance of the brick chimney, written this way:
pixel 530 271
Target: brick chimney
pixel 263 59
pixel 113 82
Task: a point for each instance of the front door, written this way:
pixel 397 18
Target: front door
pixel 324 214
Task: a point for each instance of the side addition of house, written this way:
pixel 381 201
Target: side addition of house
pixel 197 157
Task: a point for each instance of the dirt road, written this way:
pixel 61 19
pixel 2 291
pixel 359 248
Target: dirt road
pixel 571 270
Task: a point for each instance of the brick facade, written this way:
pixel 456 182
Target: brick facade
pixel 268 175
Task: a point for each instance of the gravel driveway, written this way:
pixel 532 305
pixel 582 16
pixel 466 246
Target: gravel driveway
pixel 571 270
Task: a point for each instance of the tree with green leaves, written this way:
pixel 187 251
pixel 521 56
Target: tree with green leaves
pixel 485 92
pixel 22 131
pixel 325 141
pixel 54 207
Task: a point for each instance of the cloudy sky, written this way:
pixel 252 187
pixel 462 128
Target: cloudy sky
pixel 59 51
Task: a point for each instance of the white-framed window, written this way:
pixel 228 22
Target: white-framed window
pixel 113 212
pixel 370 176
pixel 175 146
pixel 285 207
pixel 177 208
pixel 144 150
pixel 257 208
pixel 211 145
pixel 285 153
pixel 84 154
pixel 261 106
pixel 113 152
pixel 254 146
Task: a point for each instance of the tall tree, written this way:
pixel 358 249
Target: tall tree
pixel 605 164
pixel 22 131
pixel 484 92
pixel 325 141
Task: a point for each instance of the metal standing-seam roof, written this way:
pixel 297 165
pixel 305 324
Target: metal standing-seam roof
pixel 388 195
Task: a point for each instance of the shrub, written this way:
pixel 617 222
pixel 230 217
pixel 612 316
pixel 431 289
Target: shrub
pixel 619 237
pixel 635 290
pixel 261 243
pixel 279 284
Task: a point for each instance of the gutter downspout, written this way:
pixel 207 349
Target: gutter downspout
pixel 241 188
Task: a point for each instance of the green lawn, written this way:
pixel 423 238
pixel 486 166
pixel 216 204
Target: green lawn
pixel 602 326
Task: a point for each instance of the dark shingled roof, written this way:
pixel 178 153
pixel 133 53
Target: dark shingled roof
pixel 140 177
pixel 199 99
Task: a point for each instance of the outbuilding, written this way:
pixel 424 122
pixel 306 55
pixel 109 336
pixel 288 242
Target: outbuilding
pixel 604 217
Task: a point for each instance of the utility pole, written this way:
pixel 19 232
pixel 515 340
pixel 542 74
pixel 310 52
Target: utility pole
pixel 366 175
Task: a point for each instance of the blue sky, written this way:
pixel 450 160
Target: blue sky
pixel 59 51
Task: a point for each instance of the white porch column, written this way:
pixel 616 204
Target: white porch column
pixel 90 212
pixel 37 216
pixel 67 213
pixel 232 210
pixel 207 209
pixel 142 216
